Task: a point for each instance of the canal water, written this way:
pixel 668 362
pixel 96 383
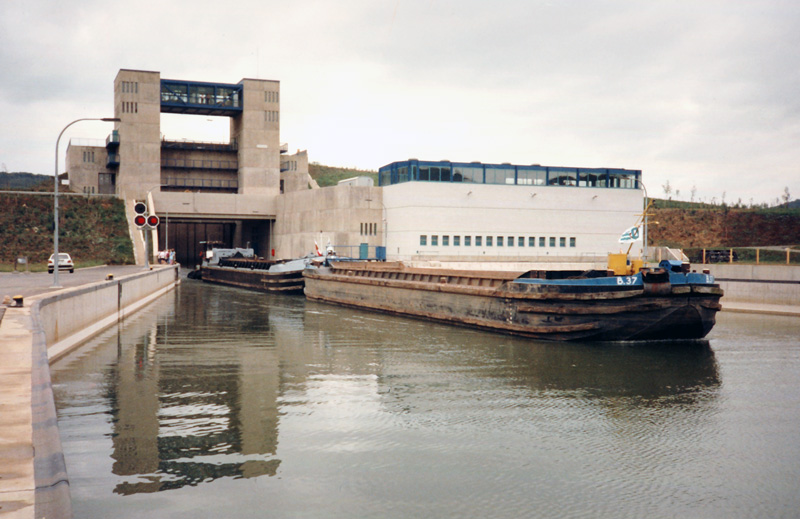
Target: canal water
pixel 219 402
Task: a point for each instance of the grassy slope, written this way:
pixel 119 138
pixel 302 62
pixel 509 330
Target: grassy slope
pixel 722 227
pixel 92 230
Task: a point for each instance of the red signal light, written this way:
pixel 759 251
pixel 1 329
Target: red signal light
pixel 140 220
pixel 152 220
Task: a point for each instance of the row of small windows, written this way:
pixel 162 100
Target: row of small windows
pixel 130 87
pixel 88 156
pixel 289 165
pixel 271 97
pixel 369 229
pixel 499 241
pixel 130 107
pixel 271 116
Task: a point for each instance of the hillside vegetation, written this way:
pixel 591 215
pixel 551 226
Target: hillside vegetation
pixel 93 230
pixel 723 227
pixel 331 175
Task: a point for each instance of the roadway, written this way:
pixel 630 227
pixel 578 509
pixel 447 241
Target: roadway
pixel 29 284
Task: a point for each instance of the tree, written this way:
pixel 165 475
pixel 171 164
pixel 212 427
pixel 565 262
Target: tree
pixel 786 196
pixel 667 190
pixel 694 192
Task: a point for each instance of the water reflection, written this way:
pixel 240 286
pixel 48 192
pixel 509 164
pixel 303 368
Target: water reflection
pixel 196 387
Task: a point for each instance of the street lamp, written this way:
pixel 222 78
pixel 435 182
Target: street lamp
pixel 55 197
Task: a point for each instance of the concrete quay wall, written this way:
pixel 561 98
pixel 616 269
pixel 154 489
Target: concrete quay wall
pixel 33 475
pixel 757 284
pixel 70 317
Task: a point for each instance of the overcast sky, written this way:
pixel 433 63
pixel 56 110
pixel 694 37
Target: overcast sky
pixel 697 94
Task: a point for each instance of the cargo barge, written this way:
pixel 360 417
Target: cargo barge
pixel 666 302
pixel 240 268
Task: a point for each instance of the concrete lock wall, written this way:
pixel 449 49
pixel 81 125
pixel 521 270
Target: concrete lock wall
pixel 762 284
pixel 73 316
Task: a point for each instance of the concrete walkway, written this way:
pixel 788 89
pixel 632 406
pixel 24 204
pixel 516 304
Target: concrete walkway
pixel 17 485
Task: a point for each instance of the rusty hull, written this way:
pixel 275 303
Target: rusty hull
pixel 489 300
pixel 262 280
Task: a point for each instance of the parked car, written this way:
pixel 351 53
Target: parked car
pixel 64 263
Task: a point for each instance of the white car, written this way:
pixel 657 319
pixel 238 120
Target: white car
pixel 64 263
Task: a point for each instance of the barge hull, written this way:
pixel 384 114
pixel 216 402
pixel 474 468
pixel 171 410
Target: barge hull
pixel 284 283
pixel 617 315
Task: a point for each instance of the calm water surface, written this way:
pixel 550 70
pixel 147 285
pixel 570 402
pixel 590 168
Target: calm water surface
pixel 217 402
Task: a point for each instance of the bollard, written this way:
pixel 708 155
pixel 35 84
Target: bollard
pixel 109 277
pixel 18 301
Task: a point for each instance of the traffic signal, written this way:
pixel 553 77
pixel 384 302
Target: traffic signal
pixel 142 219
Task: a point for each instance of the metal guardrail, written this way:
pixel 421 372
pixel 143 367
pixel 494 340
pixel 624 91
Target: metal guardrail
pixel 756 255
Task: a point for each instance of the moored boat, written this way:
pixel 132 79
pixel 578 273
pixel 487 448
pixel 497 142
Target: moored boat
pixel 240 268
pixel 666 302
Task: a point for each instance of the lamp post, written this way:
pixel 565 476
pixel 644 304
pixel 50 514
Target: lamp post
pixel 55 197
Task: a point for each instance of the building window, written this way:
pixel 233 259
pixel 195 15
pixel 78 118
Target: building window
pixel 552 242
pixel 435 240
pixel 478 241
pixel 423 240
pixel 572 242
pixel 467 241
pixel 488 241
pixel 456 241
pixel 499 241
pixel 281 186
pixel 510 241
pixel 445 240
pixel 521 242
pixel 531 242
pixel 562 242
pixel 541 241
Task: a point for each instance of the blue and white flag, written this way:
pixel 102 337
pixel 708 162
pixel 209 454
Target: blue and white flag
pixel 630 235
